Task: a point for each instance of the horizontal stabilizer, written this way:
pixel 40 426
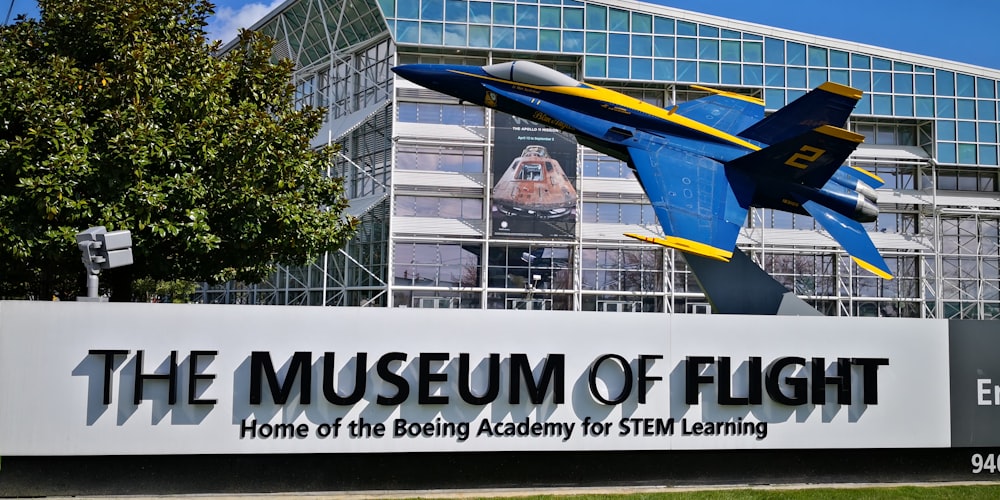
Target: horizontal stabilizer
pixel 852 236
pixel 828 104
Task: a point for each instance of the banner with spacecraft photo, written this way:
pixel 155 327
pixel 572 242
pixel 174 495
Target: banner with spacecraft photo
pixel 534 180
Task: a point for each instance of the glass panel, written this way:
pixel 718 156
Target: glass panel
pixel 987 110
pixel 431 33
pixel 841 76
pixel 527 15
pixel 987 132
pixel 687 71
pixel 687 28
pixel 882 105
pixel 527 39
pixel 796 54
pixel 408 31
pixel 709 72
pixel 663 70
pixel 753 75
pixel 985 87
pixel 597 17
pixel 708 49
pixel 456 10
pixel 663 46
pixel 946 108
pixel 967 153
pixel 642 23
pixel 730 51
pixel 573 19
pixel 479 12
pixel 708 31
pixel 503 38
pixel 774 98
pixel 945 82
pixel 838 59
pixel 797 77
pixel 864 106
pixel 432 10
pixel 618 20
pixel 861 80
pixel 817 77
pixel 753 52
pixel 817 56
pixel 454 34
pixel 642 69
pixel 731 74
pixel 618 67
pixel 774 51
pixel 409 10
pixel 967 109
pixel 925 84
pixel 597 42
pixel 904 105
pixel 965 86
pixel 595 67
pixel 687 48
pixel 946 152
pixel 925 107
pixel 663 26
pixel 878 63
pixel 988 156
pixel 860 61
pixel 902 83
pixel 882 82
pixel 642 45
pixel 967 131
pixel 573 41
pixel 503 13
pixel 946 130
pixel 774 76
pixel 549 17
pixel 548 40
pixel 618 44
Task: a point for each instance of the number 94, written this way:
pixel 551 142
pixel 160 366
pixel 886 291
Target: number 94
pixel 987 463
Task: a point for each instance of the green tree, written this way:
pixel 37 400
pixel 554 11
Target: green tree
pixel 120 113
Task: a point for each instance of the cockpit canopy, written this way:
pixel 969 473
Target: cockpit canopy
pixel 530 73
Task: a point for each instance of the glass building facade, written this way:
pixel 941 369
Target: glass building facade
pixel 421 167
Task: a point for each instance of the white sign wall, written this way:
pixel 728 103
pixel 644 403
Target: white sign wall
pixel 264 379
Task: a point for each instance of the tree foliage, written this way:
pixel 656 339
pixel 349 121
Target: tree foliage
pixel 119 113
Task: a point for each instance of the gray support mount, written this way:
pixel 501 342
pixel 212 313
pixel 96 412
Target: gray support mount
pixel 740 286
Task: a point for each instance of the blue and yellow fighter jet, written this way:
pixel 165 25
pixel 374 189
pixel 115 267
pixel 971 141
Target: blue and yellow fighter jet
pixel 702 163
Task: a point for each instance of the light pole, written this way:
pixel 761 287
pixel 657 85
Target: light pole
pixel 102 250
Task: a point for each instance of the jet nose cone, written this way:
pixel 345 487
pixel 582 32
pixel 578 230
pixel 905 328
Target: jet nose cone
pixel 426 75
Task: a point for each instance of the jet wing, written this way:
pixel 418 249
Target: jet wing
pixel 852 236
pixel 725 111
pixel 693 198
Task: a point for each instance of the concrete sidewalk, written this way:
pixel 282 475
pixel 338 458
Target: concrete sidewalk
pixel 525 492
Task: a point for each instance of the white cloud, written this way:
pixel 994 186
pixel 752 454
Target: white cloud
pixel 226 23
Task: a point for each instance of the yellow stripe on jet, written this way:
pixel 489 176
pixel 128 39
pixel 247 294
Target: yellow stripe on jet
pixel 687 245
pixel 844 90
pixel 598 93
pixel 734 95
pixel 869 174
pixel 840 133
pixel 874 270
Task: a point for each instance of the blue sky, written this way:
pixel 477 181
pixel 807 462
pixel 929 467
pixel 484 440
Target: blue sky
pixel 959 30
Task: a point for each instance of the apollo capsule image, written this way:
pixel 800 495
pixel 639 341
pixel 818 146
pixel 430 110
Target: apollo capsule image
pixel 535 186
